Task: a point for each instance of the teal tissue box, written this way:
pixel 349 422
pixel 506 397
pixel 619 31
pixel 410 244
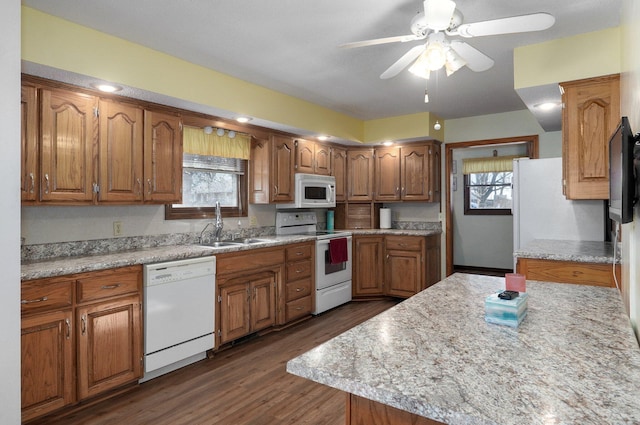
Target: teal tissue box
pixel 506 312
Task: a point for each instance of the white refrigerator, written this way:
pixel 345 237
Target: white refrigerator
pixel 540 210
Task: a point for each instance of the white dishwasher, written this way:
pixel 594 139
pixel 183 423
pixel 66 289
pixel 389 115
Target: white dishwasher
pixel 179 307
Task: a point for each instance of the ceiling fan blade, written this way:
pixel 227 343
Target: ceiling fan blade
pixel 396 39
pixel 402 63
pixel 514 24
pixel 475 59
pixel 438 13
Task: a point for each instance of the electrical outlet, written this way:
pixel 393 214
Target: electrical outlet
pixel 117 228
pixel 253 221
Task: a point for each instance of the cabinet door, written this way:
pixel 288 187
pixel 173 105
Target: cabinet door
pixel 339 171
pixel 29 144
pixel 47 363
pixel 305 156
pixel 234 311
pixel 162 157
pixel 360 169
pixel 69 129
pixel 322 159
pixel 263 302
pixel 281 172
pixel 368 266
pixel 591 113
pixel 109 345
pixel 415 173
pixel 403 273
pixel 120 152
pixel 259 187
pixel 387 174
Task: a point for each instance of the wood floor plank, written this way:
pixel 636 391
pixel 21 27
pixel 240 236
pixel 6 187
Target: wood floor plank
pixel 244 385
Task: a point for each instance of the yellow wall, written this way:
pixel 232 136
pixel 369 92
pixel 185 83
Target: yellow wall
pixel 567 59
pixel 60 44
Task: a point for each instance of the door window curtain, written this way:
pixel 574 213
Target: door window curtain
pixel 196 141
pixel 492 164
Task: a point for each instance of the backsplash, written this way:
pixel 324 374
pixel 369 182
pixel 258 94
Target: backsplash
pixel 102 246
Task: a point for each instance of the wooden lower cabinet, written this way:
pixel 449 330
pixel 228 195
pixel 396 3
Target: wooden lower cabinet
pixel 109 345
pixel 393 265
pixel 362 411
pixel 368 265
pixel 568 272
pixel 48 358
pixel 247 304
pixel 81 337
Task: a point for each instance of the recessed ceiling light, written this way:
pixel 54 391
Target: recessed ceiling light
pixel 243 119
pixel 388 142
pixel 547 106
pixel 323 138
pixel 107 88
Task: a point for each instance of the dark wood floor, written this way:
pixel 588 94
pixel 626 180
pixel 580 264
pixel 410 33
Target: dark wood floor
pixel 246 384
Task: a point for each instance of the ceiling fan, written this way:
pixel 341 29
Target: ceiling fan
pixel 441 19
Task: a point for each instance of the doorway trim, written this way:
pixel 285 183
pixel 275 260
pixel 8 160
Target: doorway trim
pixel 532 151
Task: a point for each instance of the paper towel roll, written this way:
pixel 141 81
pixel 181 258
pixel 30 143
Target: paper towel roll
pixel 385 218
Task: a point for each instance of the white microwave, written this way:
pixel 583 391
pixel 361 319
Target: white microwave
pixel 313 191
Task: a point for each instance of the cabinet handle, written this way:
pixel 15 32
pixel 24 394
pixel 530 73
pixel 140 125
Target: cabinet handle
pixel 397 189
pixel 275 188
pixel 46 183
pixel 299 253
pixel 298 308
pixel 68 323
pixel 139 186
pixel 149 187
pixel 117 285
pixel 33 183
pixel 298 289
pixel 402 244
pixel 83 321
pixel 39 300
pixel 298 271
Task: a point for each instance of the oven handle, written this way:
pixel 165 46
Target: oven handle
pixel 326 241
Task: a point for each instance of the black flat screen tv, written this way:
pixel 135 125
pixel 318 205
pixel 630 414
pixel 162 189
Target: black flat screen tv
pixel 622 185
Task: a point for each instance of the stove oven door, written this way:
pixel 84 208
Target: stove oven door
pixel 328 274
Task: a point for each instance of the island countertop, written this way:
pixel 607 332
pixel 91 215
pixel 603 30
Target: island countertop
pixel 573 360
pixel 564 250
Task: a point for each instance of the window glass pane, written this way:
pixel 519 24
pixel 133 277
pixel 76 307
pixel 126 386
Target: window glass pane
pixel 490 190
pixel 202 188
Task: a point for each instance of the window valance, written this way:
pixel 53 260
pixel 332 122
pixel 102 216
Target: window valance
pixel 196 141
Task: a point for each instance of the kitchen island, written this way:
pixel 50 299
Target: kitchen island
pixel 574 359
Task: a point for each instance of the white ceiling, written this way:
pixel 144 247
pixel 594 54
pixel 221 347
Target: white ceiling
pixel 291 46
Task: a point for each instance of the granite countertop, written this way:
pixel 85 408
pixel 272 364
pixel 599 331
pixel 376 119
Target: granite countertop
pixel 399 232
pixel 562 250
pixel 60 266
pixel 574 359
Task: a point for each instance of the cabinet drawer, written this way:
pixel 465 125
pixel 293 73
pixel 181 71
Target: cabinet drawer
pixel 298 308
pixel 411 243
pixel 298 252
pixel 298 270
pixel 297 289
pixel 108 284
pixel 41 295
pixel 567 272
pixel 248 260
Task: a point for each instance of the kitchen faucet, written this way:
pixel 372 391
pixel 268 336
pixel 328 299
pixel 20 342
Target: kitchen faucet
pixel 219 224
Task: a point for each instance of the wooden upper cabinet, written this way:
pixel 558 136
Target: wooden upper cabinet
pixel 305 156
pixel 387 174
pixel 69 129
pixel 360 169
pixel 591 113
pixel 339 171
pixel 29 178
pixel 312 157
pixel 120 152
pixel 259 171
pixel 162 157
pixel 281 169
pixel 323 159
pixel 419 181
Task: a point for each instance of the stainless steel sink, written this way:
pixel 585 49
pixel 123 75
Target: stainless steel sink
pixel 250 241
pixel 220 244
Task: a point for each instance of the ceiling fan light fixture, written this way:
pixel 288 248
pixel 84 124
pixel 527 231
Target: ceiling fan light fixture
pixel 454 62
pixel 438 13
